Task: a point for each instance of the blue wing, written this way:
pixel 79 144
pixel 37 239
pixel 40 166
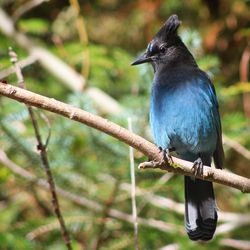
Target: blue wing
pixel 219 152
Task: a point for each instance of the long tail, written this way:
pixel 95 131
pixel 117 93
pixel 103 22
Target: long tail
pixel 200 209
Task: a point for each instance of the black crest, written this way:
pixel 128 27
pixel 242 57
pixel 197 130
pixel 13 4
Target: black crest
pixel 169 29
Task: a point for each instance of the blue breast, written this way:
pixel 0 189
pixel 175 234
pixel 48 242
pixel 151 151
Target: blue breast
pixel 183 113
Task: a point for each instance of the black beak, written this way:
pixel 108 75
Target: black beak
pixel 142 59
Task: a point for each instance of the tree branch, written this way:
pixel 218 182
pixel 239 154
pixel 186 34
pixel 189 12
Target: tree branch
pixel 179 166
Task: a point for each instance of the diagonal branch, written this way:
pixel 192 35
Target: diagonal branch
pixel 147 148
pixel 22 64
pixel 59 69
pixel 236 146
pixel 43 155
pixel 25 7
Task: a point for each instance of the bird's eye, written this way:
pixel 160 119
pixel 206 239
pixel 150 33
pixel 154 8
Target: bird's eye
pixel 162 49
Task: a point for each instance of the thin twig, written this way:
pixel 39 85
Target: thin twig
pixel 84 202
pixel 230 226
pixel 236 146
pixel 167 203
pixel 25 7
pixel 146 193
pixel 133 189
pixel 14 60
pixel 109 202
pixel 83 35
pixel 22 64
pixel 231 220
pixel 47 121
pixel 173 246
pixel 43 154
pixel 238 244
pixel 45 229
pixel 158 184
pixel 43 208
pixel 179 166
pixel 156 200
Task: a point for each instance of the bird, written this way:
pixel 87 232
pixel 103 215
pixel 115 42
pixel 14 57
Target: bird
pixel 184 117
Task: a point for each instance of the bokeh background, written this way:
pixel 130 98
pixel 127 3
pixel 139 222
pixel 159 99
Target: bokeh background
pixel 80 52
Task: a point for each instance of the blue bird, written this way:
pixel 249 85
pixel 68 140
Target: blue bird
pixel 184 117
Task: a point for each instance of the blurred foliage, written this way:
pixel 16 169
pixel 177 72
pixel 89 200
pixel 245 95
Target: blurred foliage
pixel 87 162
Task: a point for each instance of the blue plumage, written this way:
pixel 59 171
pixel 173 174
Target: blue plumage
pixel 184 115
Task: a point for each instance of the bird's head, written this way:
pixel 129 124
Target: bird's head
pixel 166 47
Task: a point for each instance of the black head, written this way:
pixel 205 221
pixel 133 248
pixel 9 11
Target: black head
pixel 166 47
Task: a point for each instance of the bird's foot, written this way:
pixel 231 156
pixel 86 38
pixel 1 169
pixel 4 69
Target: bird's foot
pixel 166 154
pixel 198 167
pixel 166 159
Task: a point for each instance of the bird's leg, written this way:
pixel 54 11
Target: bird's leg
pixel 166 154
pixel 166 159
pixel 198 167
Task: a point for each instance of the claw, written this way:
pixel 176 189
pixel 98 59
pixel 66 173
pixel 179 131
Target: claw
pixel 166 159
pixel 166 154
pixel 160 149
pixel 198 167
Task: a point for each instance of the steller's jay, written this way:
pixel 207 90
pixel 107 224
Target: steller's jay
pixel 184 117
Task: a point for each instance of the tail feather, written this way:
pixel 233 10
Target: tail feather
pixel 200 209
